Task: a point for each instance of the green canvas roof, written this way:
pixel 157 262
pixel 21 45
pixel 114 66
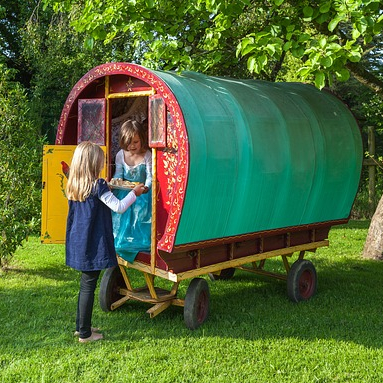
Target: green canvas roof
pixel 263 156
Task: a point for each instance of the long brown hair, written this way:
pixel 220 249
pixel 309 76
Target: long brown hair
pixel 87 162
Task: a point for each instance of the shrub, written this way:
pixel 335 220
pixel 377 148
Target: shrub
pixel 20 167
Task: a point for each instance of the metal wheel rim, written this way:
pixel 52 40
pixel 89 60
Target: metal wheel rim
pixel 202 306
pixel 306 284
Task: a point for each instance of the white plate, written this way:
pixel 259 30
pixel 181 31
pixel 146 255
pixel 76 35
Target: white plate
pixel 121 187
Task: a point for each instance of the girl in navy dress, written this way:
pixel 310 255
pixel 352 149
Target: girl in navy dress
pixel 89 232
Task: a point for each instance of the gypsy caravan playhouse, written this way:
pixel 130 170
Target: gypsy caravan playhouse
pixel 243 171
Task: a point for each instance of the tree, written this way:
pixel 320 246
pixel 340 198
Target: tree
pixel 41 59
pixel 13 15
pixel 329 37
pixel 20 166
pixel 326 40
pixel 56 58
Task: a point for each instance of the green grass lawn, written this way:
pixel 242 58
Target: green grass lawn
pixel 253 333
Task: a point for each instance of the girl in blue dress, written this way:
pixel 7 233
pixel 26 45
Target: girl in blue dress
pixel 132 230
pixel 89 232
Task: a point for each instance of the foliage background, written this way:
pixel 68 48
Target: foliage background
pixel 46 46
pixel 20 175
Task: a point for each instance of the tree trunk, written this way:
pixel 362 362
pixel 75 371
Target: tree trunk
pixel 373 247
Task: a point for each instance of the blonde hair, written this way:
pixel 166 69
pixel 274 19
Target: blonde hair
pixel 128 130
pixel 87 163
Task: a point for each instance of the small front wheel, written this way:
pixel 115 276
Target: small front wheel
pixel 110 284
pixel 224 274
pixel 196 307
pixel 301 281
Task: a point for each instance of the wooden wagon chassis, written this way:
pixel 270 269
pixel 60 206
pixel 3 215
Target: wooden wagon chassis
pixel 117 288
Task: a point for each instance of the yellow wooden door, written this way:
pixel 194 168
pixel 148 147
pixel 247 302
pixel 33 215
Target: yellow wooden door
pixel 54 207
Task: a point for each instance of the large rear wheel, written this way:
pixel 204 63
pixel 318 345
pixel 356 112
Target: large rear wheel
pixel 301 281
pixel 196 307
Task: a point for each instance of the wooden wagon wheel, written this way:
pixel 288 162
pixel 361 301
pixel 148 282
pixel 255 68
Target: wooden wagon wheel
pixel 301 280
pixel 110 284
pixel 196 308
pixel 224 274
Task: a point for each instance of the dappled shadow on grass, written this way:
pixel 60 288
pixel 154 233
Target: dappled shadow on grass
pixel 58 273
pixel 53 272
pixel 347 308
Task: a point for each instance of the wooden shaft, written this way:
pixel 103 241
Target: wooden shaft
pixel 153 242
pixel 107 129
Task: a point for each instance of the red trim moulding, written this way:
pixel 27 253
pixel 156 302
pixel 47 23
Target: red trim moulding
pixel 165 243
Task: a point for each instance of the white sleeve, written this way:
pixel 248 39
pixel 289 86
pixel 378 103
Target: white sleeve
pixel 119 165
pixel 118 206
pixel 148 163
